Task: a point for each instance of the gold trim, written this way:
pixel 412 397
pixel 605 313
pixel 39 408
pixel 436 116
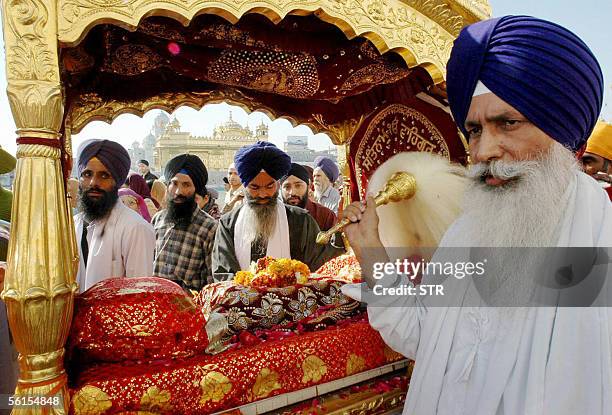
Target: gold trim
pixel 39 286
pixel 431 127
pixel 37 150
pixel 342 132
pixel 421 31
pixel 90 107
pixel 387 401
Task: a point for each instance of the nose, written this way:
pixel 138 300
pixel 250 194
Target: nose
pixel 92 182
pixel 178 192
pixel 486 148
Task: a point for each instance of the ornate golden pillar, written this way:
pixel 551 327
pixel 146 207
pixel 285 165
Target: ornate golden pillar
pixel 40 282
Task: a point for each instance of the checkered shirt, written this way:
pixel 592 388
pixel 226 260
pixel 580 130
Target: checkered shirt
pixel 184 254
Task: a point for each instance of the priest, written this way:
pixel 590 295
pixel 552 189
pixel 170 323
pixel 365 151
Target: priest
pixel 264 225
pixel 527 94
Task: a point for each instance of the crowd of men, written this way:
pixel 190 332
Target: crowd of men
pixel 268 211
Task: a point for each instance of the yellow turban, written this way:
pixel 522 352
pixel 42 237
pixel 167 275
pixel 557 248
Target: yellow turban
pixel 600 142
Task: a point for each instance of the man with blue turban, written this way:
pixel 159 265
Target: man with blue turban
pixel 532 332
pixel 263 225
pixel 113 240
pixel 325 174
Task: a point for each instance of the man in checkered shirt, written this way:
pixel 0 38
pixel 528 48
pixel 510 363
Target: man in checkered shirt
pixel 185 234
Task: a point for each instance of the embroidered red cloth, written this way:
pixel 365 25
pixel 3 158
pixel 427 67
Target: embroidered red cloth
pixel 204 384
pixel 231 308
pixel 136 319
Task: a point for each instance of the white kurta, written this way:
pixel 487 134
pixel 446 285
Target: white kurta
pixel 120 245
pixel 542 361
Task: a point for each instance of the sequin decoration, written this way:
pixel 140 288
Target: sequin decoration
pixel 374 74
pixel 136 318
pixel 290 74
pixel 315 305
pixel 133 60
pixel 204 384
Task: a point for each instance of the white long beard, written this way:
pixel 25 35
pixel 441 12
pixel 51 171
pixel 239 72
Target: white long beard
pixel 262 219
pixel 525 213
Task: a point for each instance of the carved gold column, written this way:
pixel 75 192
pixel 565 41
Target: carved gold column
pixel 39 286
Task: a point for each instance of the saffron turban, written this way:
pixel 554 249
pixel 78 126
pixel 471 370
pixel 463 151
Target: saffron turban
pixel 540 68
pixel 251 160
pixel 192 166
pixel 114 157
pixel 328 166
pixel 600 142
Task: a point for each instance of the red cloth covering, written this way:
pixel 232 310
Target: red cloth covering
pixel 326 218
pixel 205 384
pixel 136 319
pixel 231 309
pixel 343 268
pixel 609 191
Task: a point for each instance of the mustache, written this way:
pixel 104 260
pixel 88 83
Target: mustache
pixel 504 170
pixel 95 189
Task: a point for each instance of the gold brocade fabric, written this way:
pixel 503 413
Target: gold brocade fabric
pixel 205 384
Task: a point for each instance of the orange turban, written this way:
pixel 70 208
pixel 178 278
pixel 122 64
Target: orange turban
pixel 600 142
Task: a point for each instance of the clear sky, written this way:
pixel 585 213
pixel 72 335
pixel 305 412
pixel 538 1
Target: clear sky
pixel 589 19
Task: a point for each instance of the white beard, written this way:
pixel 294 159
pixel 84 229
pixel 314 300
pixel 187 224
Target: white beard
pixel 262 219
pixel 525 213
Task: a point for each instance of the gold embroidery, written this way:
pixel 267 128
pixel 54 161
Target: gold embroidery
pixel 214 386
pixel 156 400
pixel 395 129
pixel 314 369
pixel 354 364
pixel 133 60
pixel 91 401
pixel 375 74
pixel 266 383
pixel 290 74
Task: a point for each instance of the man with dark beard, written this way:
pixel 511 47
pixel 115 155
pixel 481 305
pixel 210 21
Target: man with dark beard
pixel 113 240
pixel 185 233
pixel 295 192
pixel 526 93
pixel 264 226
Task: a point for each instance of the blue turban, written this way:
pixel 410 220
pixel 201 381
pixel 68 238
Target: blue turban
pixel 540 68
pixel 114 157
pixel 328 166
pixel 251 160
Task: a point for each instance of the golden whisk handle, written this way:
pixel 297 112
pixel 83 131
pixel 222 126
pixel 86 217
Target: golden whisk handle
pixel 400 186
pixel 324 237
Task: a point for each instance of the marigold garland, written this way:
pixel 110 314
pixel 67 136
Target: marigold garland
pixel 270 272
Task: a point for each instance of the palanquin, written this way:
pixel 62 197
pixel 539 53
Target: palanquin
pixel 369 73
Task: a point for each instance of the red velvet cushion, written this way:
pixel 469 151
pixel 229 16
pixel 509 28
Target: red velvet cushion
pixel 136 318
